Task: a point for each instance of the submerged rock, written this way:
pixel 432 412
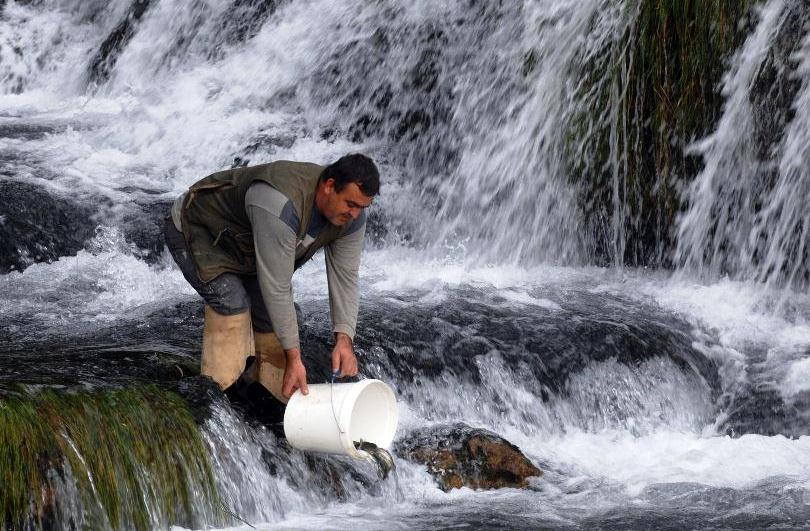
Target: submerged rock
pixel 458 455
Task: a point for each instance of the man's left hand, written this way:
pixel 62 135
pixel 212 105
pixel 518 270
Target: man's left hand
pixel 343 357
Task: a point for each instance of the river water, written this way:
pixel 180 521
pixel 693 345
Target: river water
pixel 675 398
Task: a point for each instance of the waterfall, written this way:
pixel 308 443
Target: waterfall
pixel 418 85
pixel 513 133
pixel 747 214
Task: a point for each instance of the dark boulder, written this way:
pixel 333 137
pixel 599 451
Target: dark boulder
pixel 143 226
pixel 410 340
pixel 264 143
pixel 37 226
pixel 458 455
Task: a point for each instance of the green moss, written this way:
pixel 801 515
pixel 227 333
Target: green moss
pixel 650 91
pixel 135 457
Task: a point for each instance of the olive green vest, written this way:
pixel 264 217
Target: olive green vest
pixel 216 226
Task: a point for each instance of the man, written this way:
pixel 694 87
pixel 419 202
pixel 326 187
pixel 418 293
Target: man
pixel 239 234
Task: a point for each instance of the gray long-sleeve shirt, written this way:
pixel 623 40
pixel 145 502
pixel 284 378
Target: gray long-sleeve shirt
pixel 275 228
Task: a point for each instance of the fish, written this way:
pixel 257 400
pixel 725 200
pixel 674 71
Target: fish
pixel 380 456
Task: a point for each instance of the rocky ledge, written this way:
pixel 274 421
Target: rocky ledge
pixel 458 455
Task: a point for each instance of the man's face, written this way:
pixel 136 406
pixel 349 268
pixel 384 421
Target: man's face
pixel 343 206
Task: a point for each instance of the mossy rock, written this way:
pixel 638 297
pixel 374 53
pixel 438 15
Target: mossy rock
pixel 129 458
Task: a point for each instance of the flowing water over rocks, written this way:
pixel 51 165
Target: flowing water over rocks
pixel 524 146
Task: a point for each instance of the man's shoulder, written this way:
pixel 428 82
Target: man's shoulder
pixel 263 195
pixel 288 168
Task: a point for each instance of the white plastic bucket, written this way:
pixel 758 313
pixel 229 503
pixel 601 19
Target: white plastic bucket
pixel 332 417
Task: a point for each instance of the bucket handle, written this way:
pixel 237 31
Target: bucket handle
pixel 332 400
pixel 335 374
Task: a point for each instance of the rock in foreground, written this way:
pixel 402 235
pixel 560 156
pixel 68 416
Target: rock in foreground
pixel 458 456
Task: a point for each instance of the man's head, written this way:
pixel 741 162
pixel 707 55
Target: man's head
pixel 346 187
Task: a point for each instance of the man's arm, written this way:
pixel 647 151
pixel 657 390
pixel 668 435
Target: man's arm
pixel 274 238
pixel 342 273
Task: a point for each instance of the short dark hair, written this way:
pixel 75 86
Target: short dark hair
pixel 354 168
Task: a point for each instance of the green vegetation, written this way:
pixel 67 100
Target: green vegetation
pixel 133 458
pixel 649 91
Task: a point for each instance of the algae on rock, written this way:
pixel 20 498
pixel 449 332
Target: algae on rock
pixel 642 97
pixel 129 458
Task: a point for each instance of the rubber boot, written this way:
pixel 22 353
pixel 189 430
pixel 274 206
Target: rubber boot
pixel 256 402
pixel 257 392
pixel 271 363
pixel 227 343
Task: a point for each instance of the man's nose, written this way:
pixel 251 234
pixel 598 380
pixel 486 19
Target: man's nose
pixel 354 212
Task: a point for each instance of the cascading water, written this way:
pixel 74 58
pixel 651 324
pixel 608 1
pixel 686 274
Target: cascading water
pixel 523 145
pixel 747 214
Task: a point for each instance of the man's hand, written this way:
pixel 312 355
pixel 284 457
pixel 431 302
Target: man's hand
pixel 343 358
pixel 295 374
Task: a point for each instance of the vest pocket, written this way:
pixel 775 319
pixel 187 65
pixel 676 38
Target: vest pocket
pixel 238 246
pixel 245 242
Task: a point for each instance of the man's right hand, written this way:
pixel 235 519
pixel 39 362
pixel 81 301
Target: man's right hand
pixel 295 374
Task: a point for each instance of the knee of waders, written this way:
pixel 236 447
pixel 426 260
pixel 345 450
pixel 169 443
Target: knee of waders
pixel 226 295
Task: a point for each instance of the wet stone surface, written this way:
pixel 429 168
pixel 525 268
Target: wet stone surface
pixel 418 339
pixel 143 227
pixel 37 226
pixel 457 455
pixel 412 343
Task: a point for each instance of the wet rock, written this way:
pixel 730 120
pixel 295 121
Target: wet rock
pixel 143 227
pixel 458 455
pixel 241 22
pixel 334 476
pixel 27 131
pixel 411 106
pixel 763 411
pixel 199 393
pixel 377 226
pixel 36 226
pixel 163 348
pixel 325 476
pixel 776 84
pixel 407 339
pixel 263 143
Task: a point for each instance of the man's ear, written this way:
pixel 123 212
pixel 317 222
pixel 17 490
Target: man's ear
pixel 329 186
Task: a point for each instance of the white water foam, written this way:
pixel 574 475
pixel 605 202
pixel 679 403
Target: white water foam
pixel 798 378
pixel 41 44
pixel 618 427
pixel 102 284
pixel 673 457
pixel 745 331
pixel 159 126
pixel 661 430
